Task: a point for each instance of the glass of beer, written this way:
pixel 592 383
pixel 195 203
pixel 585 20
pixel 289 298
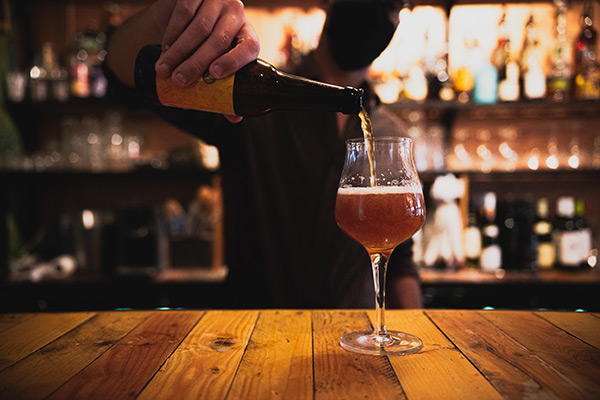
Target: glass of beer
pixel 380 205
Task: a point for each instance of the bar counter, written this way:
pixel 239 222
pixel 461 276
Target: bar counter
pixel 294 354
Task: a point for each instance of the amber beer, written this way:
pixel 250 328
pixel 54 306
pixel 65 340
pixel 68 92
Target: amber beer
pixel 380 217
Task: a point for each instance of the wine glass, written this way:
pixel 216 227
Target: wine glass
pixel 380 205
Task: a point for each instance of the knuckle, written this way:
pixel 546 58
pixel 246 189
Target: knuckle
pixel 202 26
pixel 185 11
pixel 236 6
pixel 223 40
pixel 253 45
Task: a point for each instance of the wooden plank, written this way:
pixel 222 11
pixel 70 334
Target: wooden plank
pixel 66 356
pixel 123 370
pixel 340 374
pixel 26 337
pixel 10 320
pixel 583 326
pixel 577 362
pixel 510 366
pixel 278 359
pixel 205 363
pixel 439 370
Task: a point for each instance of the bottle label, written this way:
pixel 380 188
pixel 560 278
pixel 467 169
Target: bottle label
pixel 570 248
pixel 491 258
pixel 207 94
pixel 545 255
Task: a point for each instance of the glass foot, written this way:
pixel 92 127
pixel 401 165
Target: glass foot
pixel 394 343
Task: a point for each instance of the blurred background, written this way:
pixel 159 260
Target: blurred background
pixel 104 205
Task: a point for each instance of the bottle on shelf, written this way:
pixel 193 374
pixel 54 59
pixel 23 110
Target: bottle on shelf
pixel 533 79
pixel 57 76
pixel 567 237
pixel 515 222
pixel 439 84
pixel 486 84
pixel 587 69
pixel 87 78
pixel 506 65
pixel 585 233
pixel 472 243
pixel 542 245
pixel 464 81
pixel 491 253
pixel 255 89
pixel 559 81
pixel 38 81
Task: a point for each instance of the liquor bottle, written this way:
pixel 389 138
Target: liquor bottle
pixel 439 84
pixel 559 81
pixel 255 89
pixel 533 79
pixel 543 248
pixel 507 67
pixel 486 84
pixel 491 253
pixel 500 54
pixel 472 243
pixel 464 80
pixel 587 69
pixel 585 233
pixel 566 235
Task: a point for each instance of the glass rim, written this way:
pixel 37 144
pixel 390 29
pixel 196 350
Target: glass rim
pixel 391 139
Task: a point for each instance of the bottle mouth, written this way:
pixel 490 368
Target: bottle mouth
pixel 353 100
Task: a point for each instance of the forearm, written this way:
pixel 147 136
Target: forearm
pixel 404 292
pixel 136 32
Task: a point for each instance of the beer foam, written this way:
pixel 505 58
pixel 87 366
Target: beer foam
pixel 413 189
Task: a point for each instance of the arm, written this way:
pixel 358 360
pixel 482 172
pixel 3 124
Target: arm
pixel 196 35
pixel 404 285
pixel 405 292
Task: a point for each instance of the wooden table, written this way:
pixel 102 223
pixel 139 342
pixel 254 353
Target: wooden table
pixel 294 354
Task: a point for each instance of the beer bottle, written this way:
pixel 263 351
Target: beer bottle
pixel 587 68
pixel 542 236
pixel 491 252
pixel 567 239
pixel 255 89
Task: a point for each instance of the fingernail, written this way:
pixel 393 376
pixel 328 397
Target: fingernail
pixel 217 71
pixel 163 69
pixel 179 77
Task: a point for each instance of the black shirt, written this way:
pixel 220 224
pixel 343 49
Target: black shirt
pixel 280 173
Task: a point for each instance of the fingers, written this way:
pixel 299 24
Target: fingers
pixel 181 16
pixel 246 49
pixel 192 42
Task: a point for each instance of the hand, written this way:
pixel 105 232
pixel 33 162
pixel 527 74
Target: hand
pixel 201 35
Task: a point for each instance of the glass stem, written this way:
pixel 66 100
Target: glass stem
pixel 379 262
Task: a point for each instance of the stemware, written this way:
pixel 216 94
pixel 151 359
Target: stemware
pixel 380 205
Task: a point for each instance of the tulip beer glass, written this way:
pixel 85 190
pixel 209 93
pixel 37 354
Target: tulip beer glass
pixel 380 204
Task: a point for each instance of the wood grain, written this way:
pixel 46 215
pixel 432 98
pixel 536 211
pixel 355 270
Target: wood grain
pixel 205 363
pixel 278 360
pixel 54 364
pixel 30 334
pixel 272 354
pixel 10 320
pixel 583 326
pixel 574 360
pixel 123 370
pixel 514 370
pixel 340 374
pixel 439 370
